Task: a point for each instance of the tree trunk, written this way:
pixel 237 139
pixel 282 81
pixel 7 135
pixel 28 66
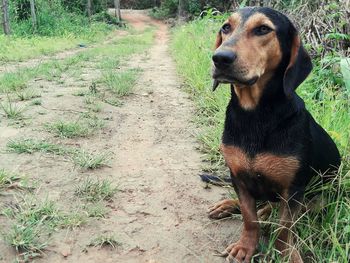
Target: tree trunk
pixel 88 8
pixel 181 9
pixel 117 10
pixel 5 16
pixel 32 11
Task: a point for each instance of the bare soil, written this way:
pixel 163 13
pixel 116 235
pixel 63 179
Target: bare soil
pixel 160 213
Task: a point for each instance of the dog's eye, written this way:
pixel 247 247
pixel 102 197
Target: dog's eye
pixel 226 28
pixel 262 30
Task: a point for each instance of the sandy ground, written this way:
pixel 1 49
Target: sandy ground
pixel 160 213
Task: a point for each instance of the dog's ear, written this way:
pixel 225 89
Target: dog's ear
pixel 298 69
pixel 218 40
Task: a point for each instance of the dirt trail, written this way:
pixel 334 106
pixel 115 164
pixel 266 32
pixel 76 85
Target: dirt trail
pixel 163 204
pixel 159 214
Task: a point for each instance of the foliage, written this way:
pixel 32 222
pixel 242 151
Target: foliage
pixel 54 17
pixel 137 4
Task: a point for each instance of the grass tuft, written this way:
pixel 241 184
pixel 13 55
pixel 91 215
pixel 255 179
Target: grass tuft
pixel 68 129
pixel 94 191
pixel 88 160
pixel 97 210
pixel 36 102
pixel 8 179
pixel 12 110
pixel 106 240
pixel 120 83
pixel 30 146
pixel 26 240
pixel 27 94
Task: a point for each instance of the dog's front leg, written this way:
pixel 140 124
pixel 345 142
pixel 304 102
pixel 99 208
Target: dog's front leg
pixel 289 210
pixel 243 250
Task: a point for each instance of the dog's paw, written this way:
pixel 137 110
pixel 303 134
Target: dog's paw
pixel 224 208
pixel 239 252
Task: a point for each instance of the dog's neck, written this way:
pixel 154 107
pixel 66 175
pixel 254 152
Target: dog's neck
pixel 249 96
pixel 271 109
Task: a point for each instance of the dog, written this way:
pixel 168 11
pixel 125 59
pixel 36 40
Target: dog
pixel 271 143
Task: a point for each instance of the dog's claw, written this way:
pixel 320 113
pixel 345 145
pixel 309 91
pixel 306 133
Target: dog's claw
pixel 223 254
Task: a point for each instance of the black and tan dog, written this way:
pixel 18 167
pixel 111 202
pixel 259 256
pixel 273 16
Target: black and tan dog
pixel 271 143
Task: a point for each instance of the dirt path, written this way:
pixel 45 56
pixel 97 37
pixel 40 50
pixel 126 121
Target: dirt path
pixel 159 214
pixel 163 201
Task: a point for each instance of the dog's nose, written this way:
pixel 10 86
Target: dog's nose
pixel 224 58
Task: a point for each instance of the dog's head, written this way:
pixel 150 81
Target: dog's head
pixel 256 44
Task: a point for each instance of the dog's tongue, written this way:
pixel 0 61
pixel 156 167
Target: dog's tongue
pixel 215 84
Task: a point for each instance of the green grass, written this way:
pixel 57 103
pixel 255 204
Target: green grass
pixel 73 219
pixel 30 146
pixel 80 158
pixel 17 49
pixel 53 70
pixel 68 129
pixel 34 221
pixel 92 120
pixel 26 240
pixel 105 240
pixel 95 190
pixel 86 160
pixel 8 179
pixel 27 94
pixel 36 102
pixel 12 110
pixel 120 83
pixel 96 209
pixel 323 234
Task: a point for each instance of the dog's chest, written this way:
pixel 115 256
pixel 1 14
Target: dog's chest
pixel 278 169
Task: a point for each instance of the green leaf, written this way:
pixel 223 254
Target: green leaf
pixel 345 70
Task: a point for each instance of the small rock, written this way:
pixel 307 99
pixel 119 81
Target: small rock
pixel 65 250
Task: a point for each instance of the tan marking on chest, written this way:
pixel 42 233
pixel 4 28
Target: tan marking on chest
pixel 280 169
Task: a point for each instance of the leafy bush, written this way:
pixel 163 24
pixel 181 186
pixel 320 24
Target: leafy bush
pixel 54 18
pixel 106 18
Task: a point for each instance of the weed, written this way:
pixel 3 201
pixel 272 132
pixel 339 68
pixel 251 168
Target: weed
pixel 26 240
pixel 113 101
pixel 36 102
pixel 93 121
pixel 88 160
pixel 110 63
pixel 97 107
pixel 30 146
pixel 94 191
pixel 93 88
pixel 89 100
pixel 33 221
pixel 12 110
pixel 7 179
pixel 120 83
pixel 68 129
pixel 73 219
pixel 105 240
pixel 80 93
pixel 27 94
pixel 97 209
